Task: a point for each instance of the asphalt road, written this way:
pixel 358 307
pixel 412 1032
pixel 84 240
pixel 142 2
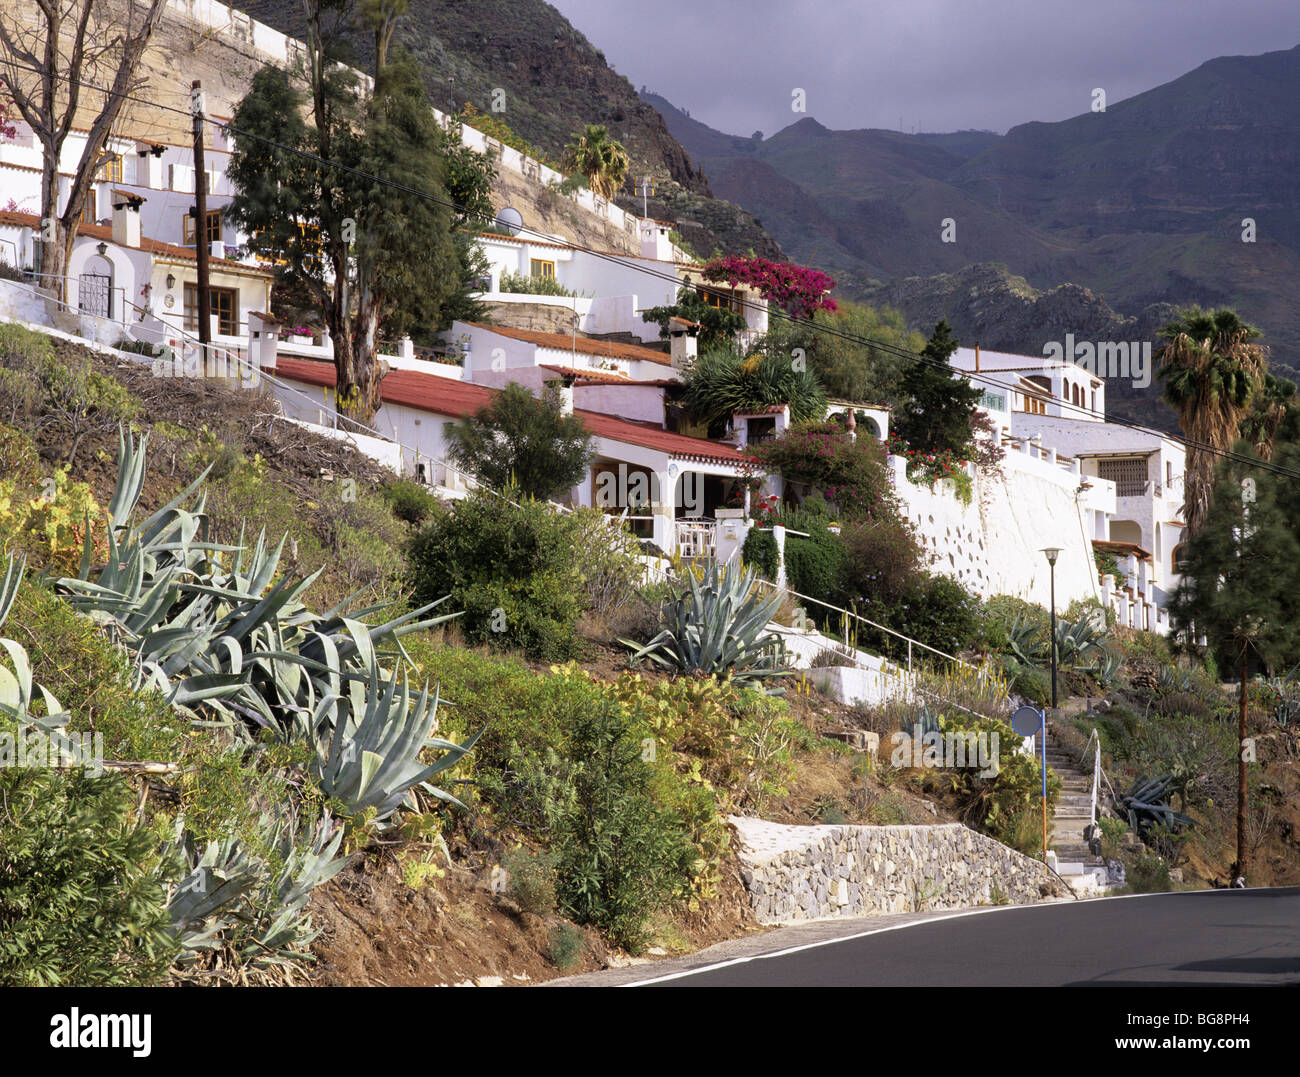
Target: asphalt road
pixel 1195 938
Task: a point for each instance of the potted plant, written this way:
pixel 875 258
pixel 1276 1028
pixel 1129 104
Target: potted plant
pixel 299 334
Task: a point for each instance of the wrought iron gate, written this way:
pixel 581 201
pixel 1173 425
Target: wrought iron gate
pixel 94 294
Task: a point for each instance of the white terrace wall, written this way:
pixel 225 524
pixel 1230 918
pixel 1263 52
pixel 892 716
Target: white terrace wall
pixel 992 546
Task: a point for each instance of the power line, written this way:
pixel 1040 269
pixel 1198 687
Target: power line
pixel 617 258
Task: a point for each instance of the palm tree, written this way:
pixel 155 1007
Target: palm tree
pixel 598 157
pixel 1211 372
pixel 1272 409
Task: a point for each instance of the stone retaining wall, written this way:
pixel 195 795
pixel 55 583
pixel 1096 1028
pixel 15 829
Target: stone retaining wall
pixel 796 873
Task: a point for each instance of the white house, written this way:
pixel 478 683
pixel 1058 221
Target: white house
pixel 134 260
pixel 1056 406
pixel 670 486
pixel 609 290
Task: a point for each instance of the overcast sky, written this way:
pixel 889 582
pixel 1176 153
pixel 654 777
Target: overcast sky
pixel 932 65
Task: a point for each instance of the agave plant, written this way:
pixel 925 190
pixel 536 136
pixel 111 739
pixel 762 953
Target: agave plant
pixel 716 626
pixel 231 645
pixel 18 690
pixel 1146 804
pixel 232 897
pixel 375 762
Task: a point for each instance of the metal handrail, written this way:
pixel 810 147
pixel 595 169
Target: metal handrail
pixel 874 624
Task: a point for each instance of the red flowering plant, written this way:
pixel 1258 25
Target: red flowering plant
pixel 931 467
pixel 798 290
pixel 849 473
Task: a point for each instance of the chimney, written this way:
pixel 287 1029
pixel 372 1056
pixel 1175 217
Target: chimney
pixel 126 218
pixel 148 165
pixel 655 242
pixel 564 391
pixel 684 345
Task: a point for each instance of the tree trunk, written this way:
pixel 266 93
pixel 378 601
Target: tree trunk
pixel 53 259
pixel 1240 871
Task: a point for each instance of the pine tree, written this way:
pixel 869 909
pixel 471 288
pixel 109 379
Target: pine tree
pixel 939 402
pixel 1240 586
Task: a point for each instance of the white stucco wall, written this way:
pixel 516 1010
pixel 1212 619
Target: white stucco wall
pixel 992 546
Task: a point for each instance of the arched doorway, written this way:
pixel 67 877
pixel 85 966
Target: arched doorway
pixel 95 287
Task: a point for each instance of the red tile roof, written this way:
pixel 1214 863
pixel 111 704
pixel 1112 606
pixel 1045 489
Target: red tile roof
pixel 1121 549
pixel 605 377
pixel 565 342
pixel 151 246
pixel 443 396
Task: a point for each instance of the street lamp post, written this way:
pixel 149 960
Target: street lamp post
pixel 1051 552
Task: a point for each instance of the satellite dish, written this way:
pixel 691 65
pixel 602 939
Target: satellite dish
pixel 1027 721
pixel 511 220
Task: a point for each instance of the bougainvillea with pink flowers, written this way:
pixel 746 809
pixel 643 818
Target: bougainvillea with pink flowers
pixel 798 290
pixel 850 474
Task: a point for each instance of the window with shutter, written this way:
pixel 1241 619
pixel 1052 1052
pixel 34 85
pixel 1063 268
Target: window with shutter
pixel 1128 473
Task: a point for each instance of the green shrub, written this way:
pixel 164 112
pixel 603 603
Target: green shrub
pixel 522 283
pixel 1141 643
pixel 537 769
pixel 812 565
pixel 532 880
pixel 882 562
pixel 566 946
pixel 83 888
pixel 410 501
pixel 515 571
pixel 938 612
pixel 1148 873
pixel 1030 683
pixel 20 461
pixel 68 388
pixel 611 563
pixel 1112 836
pixel 760 551
pixel 620 856
pixel 1001 612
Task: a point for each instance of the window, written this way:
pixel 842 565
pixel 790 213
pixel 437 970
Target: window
pixel 1129 474
pixel 214 228
pixel 111 170
pixel 88 210
pixel 539 268
pixel 224 303
pixel 1179 559
pixel 721 300
pixel 760 430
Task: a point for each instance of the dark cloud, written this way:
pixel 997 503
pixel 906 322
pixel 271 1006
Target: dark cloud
pixel 936 65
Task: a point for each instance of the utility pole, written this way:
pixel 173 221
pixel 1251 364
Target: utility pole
pixel 201 248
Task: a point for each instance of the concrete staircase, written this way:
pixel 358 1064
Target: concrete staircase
pixel 1075 863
